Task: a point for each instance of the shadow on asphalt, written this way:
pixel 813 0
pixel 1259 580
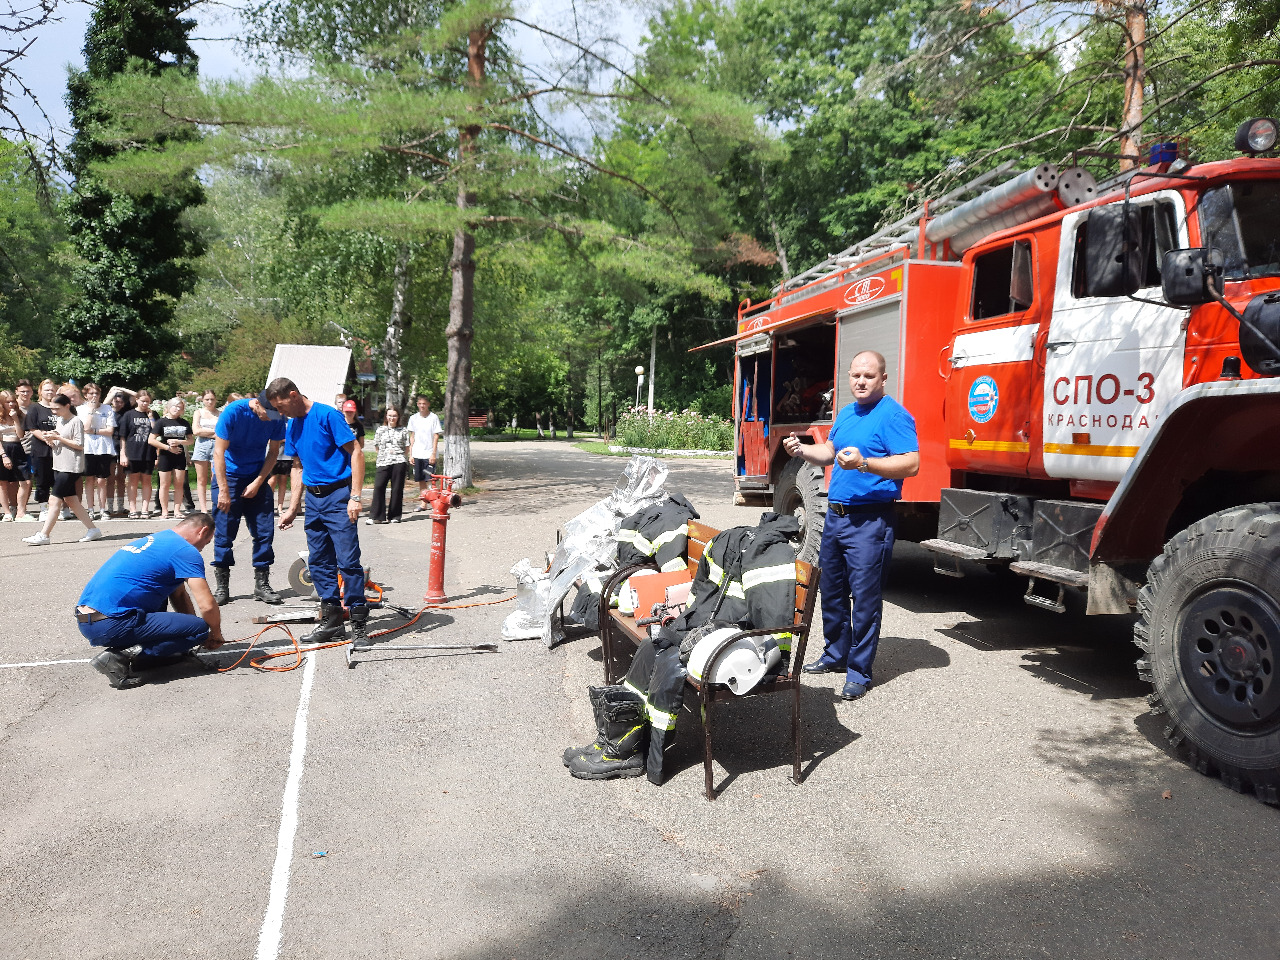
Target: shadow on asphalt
pixel 897 656
pixel 1089 655
pixel 1144 882
pixel 754 733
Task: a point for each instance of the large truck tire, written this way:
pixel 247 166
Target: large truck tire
pixel 799 493
pixel 1209 623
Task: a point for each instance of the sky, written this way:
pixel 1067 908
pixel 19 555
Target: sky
pixel 58 45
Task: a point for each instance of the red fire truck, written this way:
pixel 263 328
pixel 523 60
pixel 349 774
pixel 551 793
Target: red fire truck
pixel 1095 377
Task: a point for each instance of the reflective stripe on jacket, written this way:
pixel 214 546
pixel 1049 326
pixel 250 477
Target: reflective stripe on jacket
pixel 659 533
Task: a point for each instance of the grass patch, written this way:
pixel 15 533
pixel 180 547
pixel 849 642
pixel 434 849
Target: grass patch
pixel 599 447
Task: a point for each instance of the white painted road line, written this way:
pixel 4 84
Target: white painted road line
pixel 202 653
pixel 272 924
pixel 40 663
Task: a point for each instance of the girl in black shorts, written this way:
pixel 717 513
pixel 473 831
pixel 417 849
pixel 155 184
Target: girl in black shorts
pixel 138 456
pixel 13 460
pixel 171 435
pixel 67 442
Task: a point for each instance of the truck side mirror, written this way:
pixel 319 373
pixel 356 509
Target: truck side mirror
pixel 1184 275
pixel 1112 252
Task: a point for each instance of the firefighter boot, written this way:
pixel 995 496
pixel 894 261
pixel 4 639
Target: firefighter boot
pixel 222 586
pixel 596 694
pixel 624 732
pixel 333 626
pixel 117 667
pixel 359 627
pixel 262 586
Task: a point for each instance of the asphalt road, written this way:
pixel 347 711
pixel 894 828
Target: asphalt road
pixel 1000 792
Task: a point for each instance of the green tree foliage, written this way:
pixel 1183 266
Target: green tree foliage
pixel 33 263
pixel 440 97
pixel 133 248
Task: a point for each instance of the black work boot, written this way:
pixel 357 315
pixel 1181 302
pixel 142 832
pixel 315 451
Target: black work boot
pixel 624 732
pixel 596 695
pixel 359 627
pixel 117 667
pixel 262 586
pixel 333 625
pixel 222 586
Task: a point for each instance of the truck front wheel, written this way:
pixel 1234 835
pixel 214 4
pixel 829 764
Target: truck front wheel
pixel 799 493
pixel 1209 622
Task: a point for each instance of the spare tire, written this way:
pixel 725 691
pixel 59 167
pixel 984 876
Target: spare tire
pixel 799 493
pixel 1209 621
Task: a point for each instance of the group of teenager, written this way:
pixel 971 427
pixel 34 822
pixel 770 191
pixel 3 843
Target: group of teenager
pixel 72 452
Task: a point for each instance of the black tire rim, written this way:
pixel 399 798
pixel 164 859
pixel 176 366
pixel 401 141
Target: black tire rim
pixel 1227 645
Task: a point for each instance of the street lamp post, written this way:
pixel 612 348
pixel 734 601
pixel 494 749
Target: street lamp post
pixel 639 383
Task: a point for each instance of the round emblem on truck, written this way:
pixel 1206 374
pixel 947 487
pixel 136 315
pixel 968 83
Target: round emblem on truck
pixel 868 288
pixel 984 397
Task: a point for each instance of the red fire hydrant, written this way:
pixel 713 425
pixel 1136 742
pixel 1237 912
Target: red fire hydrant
pixel 441 497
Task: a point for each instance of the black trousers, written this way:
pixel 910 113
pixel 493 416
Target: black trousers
pixel 393 473
pixel 41 469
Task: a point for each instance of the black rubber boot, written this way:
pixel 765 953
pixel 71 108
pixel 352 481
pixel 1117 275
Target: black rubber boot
pixel 117 667
pixel 333 626
pixel 624 733
pixel 596 694
pixel 262 586
pixel 222 586
pixel 359 627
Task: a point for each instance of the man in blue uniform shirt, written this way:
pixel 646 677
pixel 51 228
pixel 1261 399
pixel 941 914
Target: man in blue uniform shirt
pixel 122 607
pixel 329 465
pixel 246 444
pixel 873 446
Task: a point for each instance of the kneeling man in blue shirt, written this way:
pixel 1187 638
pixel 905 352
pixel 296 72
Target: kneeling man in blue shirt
pixel 329 465
pixel 123 605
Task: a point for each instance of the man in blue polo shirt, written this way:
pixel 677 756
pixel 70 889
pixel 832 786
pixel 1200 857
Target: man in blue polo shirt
pixel 329 465
pixel 873 446
pixel 246 443
pixel 122 607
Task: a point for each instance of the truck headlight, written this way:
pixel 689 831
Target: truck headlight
pixel 1257 135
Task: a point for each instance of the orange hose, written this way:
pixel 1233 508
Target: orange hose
pixel 298 651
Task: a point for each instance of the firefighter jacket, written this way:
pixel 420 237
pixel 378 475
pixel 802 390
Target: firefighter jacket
pixel 659 534
pixel 747 576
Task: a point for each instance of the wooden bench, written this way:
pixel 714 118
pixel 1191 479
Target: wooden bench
pixel 620 634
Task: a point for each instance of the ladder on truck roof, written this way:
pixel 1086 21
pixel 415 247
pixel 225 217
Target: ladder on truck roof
pixel 904 232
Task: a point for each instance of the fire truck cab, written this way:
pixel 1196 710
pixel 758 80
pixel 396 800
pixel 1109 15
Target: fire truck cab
pixel 1093 374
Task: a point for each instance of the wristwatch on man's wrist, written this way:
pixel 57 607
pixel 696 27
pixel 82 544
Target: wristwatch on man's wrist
pixel 863 467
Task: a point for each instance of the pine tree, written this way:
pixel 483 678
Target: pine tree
pixel 133 248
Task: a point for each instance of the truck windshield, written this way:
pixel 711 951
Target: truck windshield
pixel 1243 221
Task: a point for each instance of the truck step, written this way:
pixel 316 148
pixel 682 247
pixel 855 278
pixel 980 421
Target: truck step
pixel 1045 571
pixel 948 556
pixel 958 550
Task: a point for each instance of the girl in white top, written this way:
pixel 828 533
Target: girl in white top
pixel 203 425
pixel 67 443
pixel 99 448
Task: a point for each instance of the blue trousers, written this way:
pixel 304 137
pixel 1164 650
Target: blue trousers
pixel 163 634
pixel 855 555
pixel 334 548
pixel 258 514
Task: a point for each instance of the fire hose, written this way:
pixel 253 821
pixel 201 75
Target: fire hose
pixel 299 651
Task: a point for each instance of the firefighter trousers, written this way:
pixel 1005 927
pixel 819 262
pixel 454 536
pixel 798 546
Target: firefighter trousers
pixel 658 676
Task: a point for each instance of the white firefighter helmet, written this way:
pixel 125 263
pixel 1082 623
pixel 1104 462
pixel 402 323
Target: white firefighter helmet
pixel 744 663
